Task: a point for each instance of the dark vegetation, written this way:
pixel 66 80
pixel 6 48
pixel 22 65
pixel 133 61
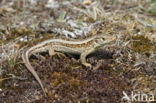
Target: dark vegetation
pixel 127 65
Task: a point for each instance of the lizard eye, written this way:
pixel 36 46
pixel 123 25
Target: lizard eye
pixel 103 38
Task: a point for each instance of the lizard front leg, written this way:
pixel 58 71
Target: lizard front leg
pixel 83 57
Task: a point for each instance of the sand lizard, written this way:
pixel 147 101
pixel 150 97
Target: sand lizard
pixel 81 47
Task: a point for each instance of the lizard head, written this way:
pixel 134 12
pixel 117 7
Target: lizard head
pixel 104 39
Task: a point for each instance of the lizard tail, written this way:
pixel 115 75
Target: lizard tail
pixel 25 58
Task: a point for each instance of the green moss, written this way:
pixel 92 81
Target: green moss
pixel 16 32
pixel 90 20
pixel 141 44
pixel 21 31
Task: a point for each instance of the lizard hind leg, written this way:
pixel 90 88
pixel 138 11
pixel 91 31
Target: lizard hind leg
pixel 52 52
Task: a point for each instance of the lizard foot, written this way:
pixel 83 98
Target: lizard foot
pixel 60 54
pixel 87 65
